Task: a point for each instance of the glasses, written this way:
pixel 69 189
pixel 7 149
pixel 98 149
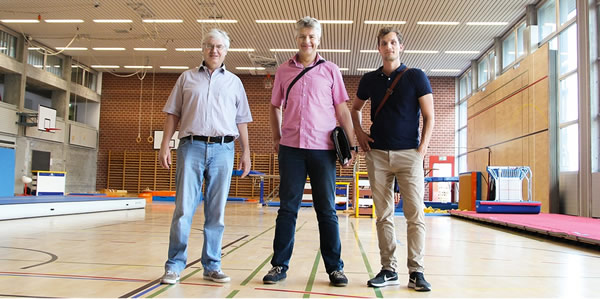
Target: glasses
pixel 219 47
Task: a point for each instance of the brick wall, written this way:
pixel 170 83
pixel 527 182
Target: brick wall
pixel 120 117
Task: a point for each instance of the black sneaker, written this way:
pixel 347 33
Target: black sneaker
pixel 338 279
pixel 276 274
pixel 417 281
pixel 384 278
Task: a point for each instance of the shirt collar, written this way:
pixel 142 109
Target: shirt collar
pixel 398 70
pixel 294 61
pixel 203 67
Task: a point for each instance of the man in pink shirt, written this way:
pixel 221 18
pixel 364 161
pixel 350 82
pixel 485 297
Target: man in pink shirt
pixel 311 102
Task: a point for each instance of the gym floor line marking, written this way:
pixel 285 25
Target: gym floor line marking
pixel 226 254
pixel 53 257
pixel 310 293
pixel 313 273
pixel 365 259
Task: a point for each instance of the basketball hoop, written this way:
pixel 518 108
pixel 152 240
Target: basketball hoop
pixel 51 130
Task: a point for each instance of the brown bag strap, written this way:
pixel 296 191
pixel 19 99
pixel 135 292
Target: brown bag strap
pixel 389 91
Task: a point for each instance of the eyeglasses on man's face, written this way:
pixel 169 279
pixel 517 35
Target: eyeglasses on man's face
pixel 218 47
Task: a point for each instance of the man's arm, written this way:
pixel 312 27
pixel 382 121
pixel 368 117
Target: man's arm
pixel 426 103
pixel 275 120
pixel 361 136
pixel 343 115
pixel 245 162
pixel 164 155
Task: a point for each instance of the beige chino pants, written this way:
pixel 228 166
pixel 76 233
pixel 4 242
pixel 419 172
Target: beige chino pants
pixel 407 167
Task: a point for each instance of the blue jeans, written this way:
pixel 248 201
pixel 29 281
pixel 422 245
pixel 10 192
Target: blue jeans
pixel 196 161
pixel 294 165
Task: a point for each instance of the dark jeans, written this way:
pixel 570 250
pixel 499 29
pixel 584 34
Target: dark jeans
pixel 294 165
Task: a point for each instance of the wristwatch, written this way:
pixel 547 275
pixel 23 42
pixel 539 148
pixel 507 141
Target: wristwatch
pixel 354 148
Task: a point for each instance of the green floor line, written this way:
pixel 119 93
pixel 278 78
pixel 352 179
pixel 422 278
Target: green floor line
pixel 365 260
pixel 196 271
pixel 313 273
pixel 247 280
pixel 232 294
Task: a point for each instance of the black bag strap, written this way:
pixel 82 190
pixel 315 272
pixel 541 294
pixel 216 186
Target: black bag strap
pixel 306 69
pixel 389 91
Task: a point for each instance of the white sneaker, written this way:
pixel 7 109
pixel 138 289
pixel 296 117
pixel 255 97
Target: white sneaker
pixel 170 277
pixel 216 276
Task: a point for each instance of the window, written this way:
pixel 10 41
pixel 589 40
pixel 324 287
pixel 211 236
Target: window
pixel 41 58
pixel 567 10
pixel 35 96
pixel 83 110
pixel 546 16
pixel 485 69
pixel 508 50
pixel 82 75
pixel 8 44
pixel 464 87
pixel 521 40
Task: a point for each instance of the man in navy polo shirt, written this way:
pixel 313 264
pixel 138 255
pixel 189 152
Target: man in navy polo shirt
pixel 393 150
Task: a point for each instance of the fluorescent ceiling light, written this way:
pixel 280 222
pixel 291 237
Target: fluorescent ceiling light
pixel 461 52
pixel 137 66
pixel 250 68
pixel 162 21
pixel 216 21
pixel 188 49
pixel 20 21
pixel 369 51
pixel 283 50
pixel 63 21
pixel 174 67
pixel 333 51
pixel 487 23
pixel 3 48
pixel 109 49
pixel 275 21
pixel 98 66
pixel 421 51
pixel 240 50
pixel 386 22
pixel 336 21
pixel 437 23
pixel 365 69
pixel 33 48
pixel 445 70
pixel 72 48
pixel 150 49
pixel 112 21
pixel 343 69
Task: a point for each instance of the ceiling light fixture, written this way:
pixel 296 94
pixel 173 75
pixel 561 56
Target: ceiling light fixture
pixel 150 49
pixel 137 66
pixel 240 50
pixel 283 50
pixel 63 21
pixel 97 66
pixel 365 69
pixel 189 49
pixel 174 67
pixel 112 21
pixel 343 69
pixel 369 51
pixel 216 21
pixel 109 49
pixel 437 23
pixel 487 23
pixel 333 51
pixel 19 21
pixel 72 48
pixel 336 21
pixel 386 22
pixel 162 21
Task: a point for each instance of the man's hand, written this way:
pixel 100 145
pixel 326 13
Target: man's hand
pixel 245 164
pixel 351 161
pixel 164 156
pixel 396 198
pixel 363 140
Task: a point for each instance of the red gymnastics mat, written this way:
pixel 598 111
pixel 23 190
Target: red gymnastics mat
pixel 581 229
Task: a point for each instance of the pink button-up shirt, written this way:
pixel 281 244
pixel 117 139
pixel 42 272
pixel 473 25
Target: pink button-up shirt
pixel 309 117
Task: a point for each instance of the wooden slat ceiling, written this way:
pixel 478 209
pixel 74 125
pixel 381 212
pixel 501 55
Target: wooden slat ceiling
pixel 246 33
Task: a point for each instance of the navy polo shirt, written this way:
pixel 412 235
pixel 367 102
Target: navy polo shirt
pixel 396 126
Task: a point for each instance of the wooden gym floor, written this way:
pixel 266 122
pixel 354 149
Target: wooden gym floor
pixel 122 253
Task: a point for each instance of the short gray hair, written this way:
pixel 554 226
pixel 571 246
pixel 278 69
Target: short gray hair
pixel 217 34
pixel 308 22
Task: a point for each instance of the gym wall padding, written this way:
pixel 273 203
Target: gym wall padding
pixel 7 171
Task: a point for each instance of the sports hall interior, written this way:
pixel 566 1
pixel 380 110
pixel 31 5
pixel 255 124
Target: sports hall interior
pixel 515 84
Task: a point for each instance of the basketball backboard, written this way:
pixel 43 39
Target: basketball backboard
pixel 46 118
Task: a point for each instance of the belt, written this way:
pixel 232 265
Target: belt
pixel 210 139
